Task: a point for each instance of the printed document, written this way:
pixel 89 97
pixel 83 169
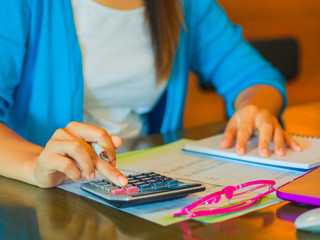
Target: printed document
pixel 214 172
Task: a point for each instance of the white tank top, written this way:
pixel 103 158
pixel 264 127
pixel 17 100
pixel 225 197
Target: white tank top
pixel 118 67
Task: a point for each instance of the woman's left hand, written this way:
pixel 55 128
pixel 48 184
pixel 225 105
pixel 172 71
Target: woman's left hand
pixel 247 121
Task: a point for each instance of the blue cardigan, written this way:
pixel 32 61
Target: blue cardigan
pixel 41 81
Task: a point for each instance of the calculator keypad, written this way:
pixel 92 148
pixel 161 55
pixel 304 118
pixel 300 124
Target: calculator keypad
pixel 136 183
pixel 142 188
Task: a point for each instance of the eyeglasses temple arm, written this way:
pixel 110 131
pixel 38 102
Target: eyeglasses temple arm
pixel 187 209
pixel 237 207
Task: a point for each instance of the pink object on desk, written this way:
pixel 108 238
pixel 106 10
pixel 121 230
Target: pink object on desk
pixel 229 192
pixel 304 189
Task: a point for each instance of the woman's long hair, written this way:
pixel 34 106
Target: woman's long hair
pixel 165 20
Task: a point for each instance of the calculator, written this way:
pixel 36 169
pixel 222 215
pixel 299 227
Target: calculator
pixel 142 188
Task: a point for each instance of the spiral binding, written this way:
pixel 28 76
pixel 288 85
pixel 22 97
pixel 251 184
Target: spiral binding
pixel 305 136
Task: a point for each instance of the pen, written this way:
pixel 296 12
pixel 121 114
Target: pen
pixel 99 151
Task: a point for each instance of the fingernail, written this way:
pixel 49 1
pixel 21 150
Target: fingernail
pixel 241 150
pixel 223 144
pixel 122 180
pixel 264 152
pixel 280 149
pixel 93 175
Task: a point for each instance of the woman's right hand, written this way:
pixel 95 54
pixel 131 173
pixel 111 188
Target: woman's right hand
pixel 69 154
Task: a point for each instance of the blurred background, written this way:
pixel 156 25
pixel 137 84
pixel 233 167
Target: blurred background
pixel 272 19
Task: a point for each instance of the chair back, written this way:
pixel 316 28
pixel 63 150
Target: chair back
pixel 282 53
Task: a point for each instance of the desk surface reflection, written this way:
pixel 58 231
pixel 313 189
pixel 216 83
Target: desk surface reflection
pixel 28 212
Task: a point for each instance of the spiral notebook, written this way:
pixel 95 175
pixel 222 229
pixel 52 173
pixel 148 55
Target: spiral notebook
pixel 307 159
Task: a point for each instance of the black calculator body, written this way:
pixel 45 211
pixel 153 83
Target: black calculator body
pixel 142 188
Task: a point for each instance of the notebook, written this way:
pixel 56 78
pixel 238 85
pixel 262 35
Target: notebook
pixel 307 159
pixel 304 189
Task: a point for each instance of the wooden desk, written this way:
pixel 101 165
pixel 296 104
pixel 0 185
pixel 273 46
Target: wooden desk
pixel 303 119
pixel 28 212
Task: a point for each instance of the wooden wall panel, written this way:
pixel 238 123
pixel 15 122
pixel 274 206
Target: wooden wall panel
pixel 268 19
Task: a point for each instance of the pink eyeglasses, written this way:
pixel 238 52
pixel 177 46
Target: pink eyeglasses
pixel 229 193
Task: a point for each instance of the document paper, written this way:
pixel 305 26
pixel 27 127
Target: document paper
pixel 170 160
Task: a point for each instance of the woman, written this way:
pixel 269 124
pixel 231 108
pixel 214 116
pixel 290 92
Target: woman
pixel 81 71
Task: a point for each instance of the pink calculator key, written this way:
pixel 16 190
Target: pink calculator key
pixel 117 191
pixel 132 189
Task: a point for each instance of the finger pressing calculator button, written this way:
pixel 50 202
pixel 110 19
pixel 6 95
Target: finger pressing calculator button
pixel 144 187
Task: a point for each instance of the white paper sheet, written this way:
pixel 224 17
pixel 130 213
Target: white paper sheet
pixel 170 160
